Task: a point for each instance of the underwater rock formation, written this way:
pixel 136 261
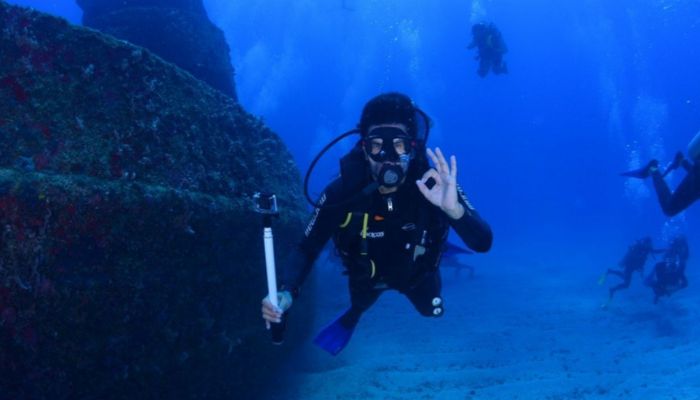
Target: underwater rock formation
pixel 179 31
pixel 131 263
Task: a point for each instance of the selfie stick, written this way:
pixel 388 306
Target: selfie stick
pixel 266 204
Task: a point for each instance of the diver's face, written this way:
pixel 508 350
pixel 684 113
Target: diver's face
pixel 386 144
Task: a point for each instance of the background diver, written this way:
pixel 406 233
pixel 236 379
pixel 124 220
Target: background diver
pixel 687 192
pixel 668 275
pixel 452 257
pixel 634 260
pixel 389 214
pixel 491 48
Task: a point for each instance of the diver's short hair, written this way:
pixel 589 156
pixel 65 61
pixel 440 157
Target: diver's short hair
pixel 389 108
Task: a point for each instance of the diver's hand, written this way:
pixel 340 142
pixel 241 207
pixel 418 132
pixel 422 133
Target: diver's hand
pixel 272 314
pixel 444 193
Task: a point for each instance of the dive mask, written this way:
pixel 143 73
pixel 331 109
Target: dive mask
pixel 388 144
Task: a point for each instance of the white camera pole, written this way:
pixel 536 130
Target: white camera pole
pixel 270 262
pixel 266 204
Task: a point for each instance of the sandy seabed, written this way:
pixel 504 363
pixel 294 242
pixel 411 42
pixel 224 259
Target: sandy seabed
pixel 528 334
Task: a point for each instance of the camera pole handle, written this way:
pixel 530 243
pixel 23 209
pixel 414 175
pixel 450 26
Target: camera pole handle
pixel 270 264
pixel 266 204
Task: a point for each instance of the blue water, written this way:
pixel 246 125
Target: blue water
pixel 595 87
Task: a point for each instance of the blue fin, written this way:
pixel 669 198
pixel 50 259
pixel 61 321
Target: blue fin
pixel 639 173
pixel 335 336
pixel 643 172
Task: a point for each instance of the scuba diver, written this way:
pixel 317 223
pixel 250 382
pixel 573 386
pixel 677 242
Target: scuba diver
pixel 491 48
pixel 668 275
pixel 687 192
pixel 634 260
pixel 388 214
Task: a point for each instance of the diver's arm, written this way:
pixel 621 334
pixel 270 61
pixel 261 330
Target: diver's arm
pixel 470 227
pixel 320 228
pixel 446 194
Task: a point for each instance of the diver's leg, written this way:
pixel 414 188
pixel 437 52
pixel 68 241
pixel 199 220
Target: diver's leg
pixel 362 296
pixel 662 281
pixel 425 296
pixel 662 190
pixel 334 337
pixel 656 277
pixel 624 285
pixel 499 67
pixel 685 194
pixel 616 272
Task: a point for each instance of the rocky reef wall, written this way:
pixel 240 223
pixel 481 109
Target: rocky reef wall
pixel 179 31
pixel 130 258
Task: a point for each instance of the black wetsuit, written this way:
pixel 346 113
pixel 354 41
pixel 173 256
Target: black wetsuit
pixel 634 260
pixel 685 194
pixel 489 42
pixel 668 275
pixel 401 248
